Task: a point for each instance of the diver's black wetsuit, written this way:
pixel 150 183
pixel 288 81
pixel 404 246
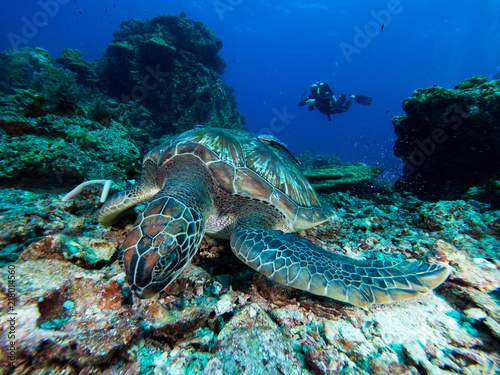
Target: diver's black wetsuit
pixel 325 101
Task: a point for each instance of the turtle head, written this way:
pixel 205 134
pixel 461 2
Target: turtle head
pixel 149 273
pixel 162 242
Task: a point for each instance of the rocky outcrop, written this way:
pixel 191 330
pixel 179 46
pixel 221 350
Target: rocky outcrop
pixel 171 66
pixel 449 140
pixel 73 60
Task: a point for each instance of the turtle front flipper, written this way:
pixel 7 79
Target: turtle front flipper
pixel 122 201
pixel 297 262
pixel 144 190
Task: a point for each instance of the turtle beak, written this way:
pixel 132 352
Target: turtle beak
pixel 143 293
pixel 140 278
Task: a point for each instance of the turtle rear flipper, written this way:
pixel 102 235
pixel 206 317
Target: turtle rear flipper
pixel 297 262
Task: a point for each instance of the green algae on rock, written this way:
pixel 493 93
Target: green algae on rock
pixel 59 89
pixel 18 67
pixel 32 72
pixel 46 137
pixel 472 82
pixel 68 150
pixel 331 177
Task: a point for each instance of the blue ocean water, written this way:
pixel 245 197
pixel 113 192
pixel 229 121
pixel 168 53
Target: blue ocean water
pixel 275 49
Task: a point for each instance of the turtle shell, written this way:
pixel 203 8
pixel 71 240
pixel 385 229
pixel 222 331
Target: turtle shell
pixel 245 165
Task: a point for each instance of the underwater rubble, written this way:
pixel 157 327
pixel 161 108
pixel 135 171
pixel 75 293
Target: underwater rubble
pixel 449 139
pixel 76 315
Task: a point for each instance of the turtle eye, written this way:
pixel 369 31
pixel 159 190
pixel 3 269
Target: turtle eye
pixel 167 245
pixel 166 266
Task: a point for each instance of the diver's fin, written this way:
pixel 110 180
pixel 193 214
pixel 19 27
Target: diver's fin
pixel 363 100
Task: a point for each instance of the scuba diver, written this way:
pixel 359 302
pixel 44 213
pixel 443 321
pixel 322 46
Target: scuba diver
pixel 321 96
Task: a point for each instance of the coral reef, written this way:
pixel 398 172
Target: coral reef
pixel 449 139
pixel 75 314
pixel 66 309
pixel 67 112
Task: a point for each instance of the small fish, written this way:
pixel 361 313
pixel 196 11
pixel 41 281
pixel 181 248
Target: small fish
pixel 79 12
pixel 382 28
pixel 387 112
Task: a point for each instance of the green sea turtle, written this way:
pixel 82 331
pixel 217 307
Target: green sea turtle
pixel 246 188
